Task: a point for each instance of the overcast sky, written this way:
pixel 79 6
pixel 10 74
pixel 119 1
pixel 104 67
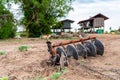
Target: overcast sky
pixel 83 9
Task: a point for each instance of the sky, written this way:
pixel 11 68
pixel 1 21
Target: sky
pixel 84 9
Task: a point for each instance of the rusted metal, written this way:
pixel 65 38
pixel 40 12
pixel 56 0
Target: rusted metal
pixel 51 47
pixel 56 58
pixel 60 55
pixel 72 41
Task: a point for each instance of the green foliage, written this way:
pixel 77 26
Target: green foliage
pixel 112 31
pixel 24 34
pixel 6 31
pixel 57 75
pixel 41 15
pixel 7 27
pixel 23 48
pixel 2 52
pixel 54 76
pixel 4 78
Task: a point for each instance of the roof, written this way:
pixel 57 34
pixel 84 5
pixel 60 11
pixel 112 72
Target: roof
pixel 85 20
pixel 98 15
pixel 67 20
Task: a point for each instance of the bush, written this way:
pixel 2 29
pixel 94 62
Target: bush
pixel 23 48
pixel 7 27
pixel 7 31
pixel 23 33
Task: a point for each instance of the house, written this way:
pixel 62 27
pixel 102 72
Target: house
pixel 96 21
pixel 65 25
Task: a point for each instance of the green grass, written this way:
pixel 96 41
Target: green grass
pixel 54 76
pixel 23 48
pixel 4 78
pixel 2 52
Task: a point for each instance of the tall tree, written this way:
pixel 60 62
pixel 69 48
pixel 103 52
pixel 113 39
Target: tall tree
pixel 41 15
pixel 7 27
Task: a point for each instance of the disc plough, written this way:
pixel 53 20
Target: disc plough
pixel 85 47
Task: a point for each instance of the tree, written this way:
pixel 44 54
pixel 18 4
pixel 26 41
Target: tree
pixel 7 27
pixel 41 15
pixel 119 29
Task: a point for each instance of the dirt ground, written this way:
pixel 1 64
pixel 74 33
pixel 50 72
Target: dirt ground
pixel 24 65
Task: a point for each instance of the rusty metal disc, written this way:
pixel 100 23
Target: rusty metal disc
pixel 59 51
pixel 71 51
pixel 82 51
pixel 62 56
pixel 99 46
pixel 91 50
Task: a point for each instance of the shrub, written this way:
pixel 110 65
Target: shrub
pixel 7 26
pixel 23 48
pixel 24 34
pixel 6 31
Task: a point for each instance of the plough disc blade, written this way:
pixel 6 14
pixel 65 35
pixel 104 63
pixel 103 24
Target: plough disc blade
pixel 91 50
pixel 82 51
pixel 99 46
pixel 71 51
pixel 63 57
pixel 60 51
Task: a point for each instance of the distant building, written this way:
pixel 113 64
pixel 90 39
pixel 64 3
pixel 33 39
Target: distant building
pixel 96 21
pixel 65 25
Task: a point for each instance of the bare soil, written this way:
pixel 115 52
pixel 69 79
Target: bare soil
pixel 27 64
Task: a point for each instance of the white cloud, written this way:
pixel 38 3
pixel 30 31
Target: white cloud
pixel 83 11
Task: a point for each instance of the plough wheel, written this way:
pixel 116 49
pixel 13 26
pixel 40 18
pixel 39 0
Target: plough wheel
pixel 71 51
pixel 91 50
pixel 82 51
pixel 99 46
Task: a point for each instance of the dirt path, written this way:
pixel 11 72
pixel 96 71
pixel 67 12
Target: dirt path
pixel 24 65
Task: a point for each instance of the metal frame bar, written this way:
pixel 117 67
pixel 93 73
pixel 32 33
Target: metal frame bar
pixel 53 50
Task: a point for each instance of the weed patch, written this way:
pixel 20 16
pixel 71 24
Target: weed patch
pixel 2 52
pixel 23 48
